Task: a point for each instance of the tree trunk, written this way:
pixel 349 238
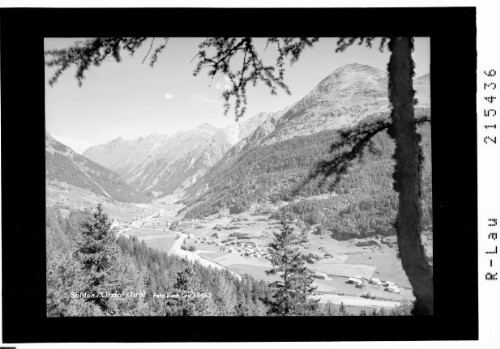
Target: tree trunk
pixel 407 175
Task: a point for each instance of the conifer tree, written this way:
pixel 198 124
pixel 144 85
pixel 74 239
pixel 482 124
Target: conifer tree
pixel 97 253
pixel 187 300
pixel 290 293
pixel 63 277
pixel 226 296
pixel 329 309
pixel 342 310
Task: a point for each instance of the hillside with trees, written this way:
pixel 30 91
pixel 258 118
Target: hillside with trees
pixel 64 165
pixel 364 203
pixel 88 268
pixel 160 164
pixel 74 264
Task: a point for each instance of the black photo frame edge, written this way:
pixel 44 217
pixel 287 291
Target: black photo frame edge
pixel 453 99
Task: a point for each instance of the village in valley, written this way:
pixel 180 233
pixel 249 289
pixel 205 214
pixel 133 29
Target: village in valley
pixel 359 271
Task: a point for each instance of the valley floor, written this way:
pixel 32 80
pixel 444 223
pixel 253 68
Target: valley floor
pixel 238 243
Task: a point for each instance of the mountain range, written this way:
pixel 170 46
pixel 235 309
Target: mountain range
pixel 160 164
pixel 274 160
pixel 259 159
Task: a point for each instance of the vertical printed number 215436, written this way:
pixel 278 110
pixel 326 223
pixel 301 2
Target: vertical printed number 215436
pixel 489 89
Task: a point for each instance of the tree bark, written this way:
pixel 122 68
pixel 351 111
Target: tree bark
pixel 407 175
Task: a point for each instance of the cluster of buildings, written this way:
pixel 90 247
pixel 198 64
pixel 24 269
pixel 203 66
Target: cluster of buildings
pixel 357 280
pixel 247 249
pixel 389 285
pixel 244 248
pixel 152 220
pixel 360 281
pixel 120 228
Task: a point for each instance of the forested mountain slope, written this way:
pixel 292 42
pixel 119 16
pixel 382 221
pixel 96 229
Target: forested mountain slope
pixel 140 270
pixel 64 165
pixel 364 203
pixel 159 164
pixel 274 160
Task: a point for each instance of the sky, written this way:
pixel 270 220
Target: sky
pixel 131 100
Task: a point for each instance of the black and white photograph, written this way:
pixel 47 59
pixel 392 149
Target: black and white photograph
pixel 245 175
pixel 238 176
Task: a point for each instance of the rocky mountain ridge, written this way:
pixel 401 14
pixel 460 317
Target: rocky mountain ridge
pixel 160 164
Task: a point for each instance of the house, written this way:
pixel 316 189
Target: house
pixel 355 281
pixel 322 276
pixel 393 289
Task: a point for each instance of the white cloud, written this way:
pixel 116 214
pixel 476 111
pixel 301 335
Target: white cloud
pixel 168 95
pixel 225 85
pixel 209 100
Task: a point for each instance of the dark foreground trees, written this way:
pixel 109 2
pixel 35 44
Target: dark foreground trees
pixel 218 55
pixel 98 254
pixel 84 258
pixel 188 297
pixel 86 277
pixel 290 294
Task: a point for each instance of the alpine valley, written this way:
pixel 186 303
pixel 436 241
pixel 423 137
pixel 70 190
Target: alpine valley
pixel 220 191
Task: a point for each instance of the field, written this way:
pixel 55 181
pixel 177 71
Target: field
pixel 256 271
pixel 384 264
pixel 202 247
pixel 333 268
pixel 239 243
pixel 163 244
pixel 338 259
